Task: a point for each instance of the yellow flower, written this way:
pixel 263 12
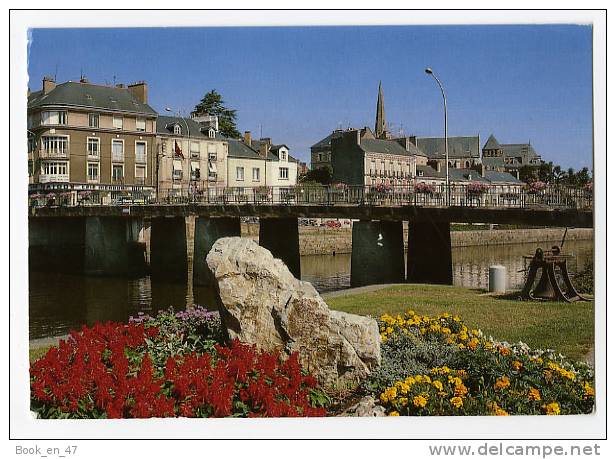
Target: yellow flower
pixel 500 412
pixel 420 401
pixel 502 383
pixel 516 365
pixel 589 391
pixel 534 394
pixel 463 336
pixel 394 413
pixel 446 331
pixel 504 351
pixel 456 402
pixel 473 343
pixel 403 401
pixel 460 390
pixel 438 385
pixel 552 409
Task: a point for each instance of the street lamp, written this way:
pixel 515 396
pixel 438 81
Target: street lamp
pixel 429 71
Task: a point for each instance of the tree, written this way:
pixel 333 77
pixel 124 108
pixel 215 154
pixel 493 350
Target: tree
pixel 558 174
pixel 322 175
pixel 528 173
pixel 545 172
pixel 582 177
pixel 213 104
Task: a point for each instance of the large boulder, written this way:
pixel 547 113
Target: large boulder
pixel 262 303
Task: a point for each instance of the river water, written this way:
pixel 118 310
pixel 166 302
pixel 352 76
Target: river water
pixel 61 302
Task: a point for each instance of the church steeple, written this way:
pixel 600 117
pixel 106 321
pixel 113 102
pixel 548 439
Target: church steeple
pixel 380 127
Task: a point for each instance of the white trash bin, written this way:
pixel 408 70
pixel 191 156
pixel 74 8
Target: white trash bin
pixel 498 279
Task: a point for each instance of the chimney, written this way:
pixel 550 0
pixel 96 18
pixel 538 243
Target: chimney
pixel 49 84
pixel 247 138
pixel 140 91
pixel 264 148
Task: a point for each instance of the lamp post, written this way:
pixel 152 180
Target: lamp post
pixel 179 115
pixel 429 71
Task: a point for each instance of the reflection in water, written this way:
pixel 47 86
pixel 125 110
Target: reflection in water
pixel 61 302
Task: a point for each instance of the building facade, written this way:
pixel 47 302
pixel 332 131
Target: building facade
pixel 509 157
pixel 192 157
pixel 464 151
pixel 91 141
pixel 358 158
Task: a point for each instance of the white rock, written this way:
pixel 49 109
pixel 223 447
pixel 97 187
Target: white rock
pixel 261 303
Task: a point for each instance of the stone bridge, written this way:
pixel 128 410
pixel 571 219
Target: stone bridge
pixel 105 240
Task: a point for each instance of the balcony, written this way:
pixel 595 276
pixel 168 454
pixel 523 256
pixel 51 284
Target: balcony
pixel 53 153
pixel 53 178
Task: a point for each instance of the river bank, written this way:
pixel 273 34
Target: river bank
pixel 325 241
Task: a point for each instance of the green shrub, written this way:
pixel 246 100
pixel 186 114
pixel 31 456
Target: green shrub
pixel 437 366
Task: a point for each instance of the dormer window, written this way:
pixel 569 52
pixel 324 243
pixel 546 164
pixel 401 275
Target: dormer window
pixel 212 133
pixel 177 130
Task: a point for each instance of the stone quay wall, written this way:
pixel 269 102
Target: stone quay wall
pixel 325 241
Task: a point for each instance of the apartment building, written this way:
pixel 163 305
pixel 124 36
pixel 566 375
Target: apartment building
pixel 192 156
pixel 95 139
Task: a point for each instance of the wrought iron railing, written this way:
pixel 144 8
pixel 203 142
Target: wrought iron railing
pixel 490 196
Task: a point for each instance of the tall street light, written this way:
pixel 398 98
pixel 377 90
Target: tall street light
pixel 429 71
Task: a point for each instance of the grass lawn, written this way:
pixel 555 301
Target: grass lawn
pixel 38 352
pixel 567 328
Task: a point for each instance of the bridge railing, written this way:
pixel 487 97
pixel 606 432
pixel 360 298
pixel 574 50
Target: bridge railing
pixel 459 195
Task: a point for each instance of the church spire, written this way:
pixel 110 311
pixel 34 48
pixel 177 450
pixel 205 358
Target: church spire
pixel 380 127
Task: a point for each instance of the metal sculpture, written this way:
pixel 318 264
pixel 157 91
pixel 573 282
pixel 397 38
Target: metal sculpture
pixel 548 287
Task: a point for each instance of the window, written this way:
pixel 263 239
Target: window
pixel 195 170
pixel 54 117
pixel 93 120
pixel 140 174
pixel 211 151
pixel 372 167
pixel 118 122
pixel 212 172
pixel 117 150
pixel 140 124
pixel 140 152
pixel 93 169
pixel 382 167
pixel 177 129
pixel 284 173
pixel 93 147
pixel 283 155
pixel 212 133
pixel 117 172
pixel 55 146
pixel 195 149
pixel 177 169
pixel 239 173
pixel 55 168
pixel 256 174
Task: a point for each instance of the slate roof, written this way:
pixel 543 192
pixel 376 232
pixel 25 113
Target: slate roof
pixel 272 154
pixel 238 149
pixel 466 175
pixel 429 172
pixel 502 177
pixel 90 96
pixel 383 146
pixel 165 125
pixel 519 149
pixel 327 141
pixel 492 143
pixel 459 147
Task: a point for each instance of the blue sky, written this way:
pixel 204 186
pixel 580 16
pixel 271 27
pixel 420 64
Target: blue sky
pixel 296 84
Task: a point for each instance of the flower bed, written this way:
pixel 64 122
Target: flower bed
pixel 438 366
pixel 165 366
